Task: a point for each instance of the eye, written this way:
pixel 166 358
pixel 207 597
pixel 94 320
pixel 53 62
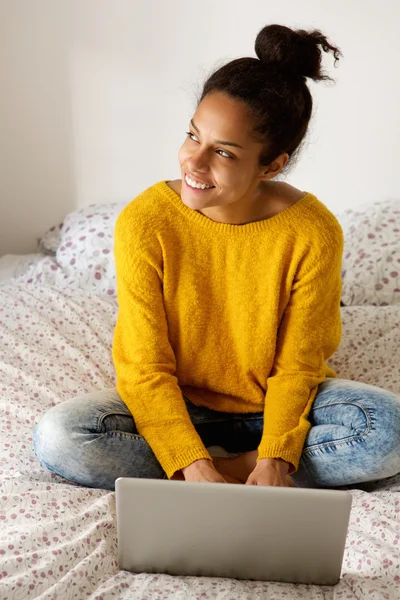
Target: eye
pixel 226 154
pixel 191 136
pixel 194 138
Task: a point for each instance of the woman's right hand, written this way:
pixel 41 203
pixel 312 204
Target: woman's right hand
pixel 202 470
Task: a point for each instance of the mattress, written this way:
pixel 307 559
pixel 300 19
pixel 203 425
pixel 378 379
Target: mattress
pixel 59 540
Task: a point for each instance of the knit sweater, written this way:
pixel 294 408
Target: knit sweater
pixel 236 318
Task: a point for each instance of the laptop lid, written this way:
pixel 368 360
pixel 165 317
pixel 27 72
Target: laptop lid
pixel 294 535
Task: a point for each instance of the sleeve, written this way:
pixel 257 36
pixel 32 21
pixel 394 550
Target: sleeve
pixel 144 360
pixel 309 333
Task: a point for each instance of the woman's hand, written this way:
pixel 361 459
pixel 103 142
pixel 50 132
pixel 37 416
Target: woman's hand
pixel 202 470
pixel 270 471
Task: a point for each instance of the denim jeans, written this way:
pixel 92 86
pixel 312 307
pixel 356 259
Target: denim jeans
pixel 354 437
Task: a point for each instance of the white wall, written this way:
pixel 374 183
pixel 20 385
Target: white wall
pixel 96 96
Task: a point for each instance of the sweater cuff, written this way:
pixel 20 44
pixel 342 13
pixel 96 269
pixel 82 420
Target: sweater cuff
pixel 171 464
pixel 276 450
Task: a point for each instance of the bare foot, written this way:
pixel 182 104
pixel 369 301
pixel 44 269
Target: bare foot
pixel 231 469
pixel 178 476
pixel 240 467
pixel 229 479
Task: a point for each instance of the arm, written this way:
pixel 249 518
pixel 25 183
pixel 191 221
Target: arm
pixel 143 357
pixel 309 333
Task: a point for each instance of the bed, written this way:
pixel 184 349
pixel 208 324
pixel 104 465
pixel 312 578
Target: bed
pixel 57 314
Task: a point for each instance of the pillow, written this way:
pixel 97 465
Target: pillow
pixel 371 256
pixel 14 265
pixel 83 245
pixel 50 241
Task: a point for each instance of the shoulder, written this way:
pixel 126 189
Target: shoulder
pixel 288 194
pixel 316 233
pixel 325 226
pixel 142 212
pixel 319 224
pixel 312 222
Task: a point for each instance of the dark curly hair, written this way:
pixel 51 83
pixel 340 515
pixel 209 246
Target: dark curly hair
pixel 274 86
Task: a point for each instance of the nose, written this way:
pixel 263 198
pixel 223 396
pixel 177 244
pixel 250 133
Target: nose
pixel 198 162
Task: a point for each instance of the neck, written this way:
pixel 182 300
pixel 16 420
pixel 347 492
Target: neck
pixel 254 207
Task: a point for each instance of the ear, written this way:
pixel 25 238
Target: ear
pixel 274 167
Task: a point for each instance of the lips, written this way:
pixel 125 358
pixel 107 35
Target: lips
pixel 194 179
pixel 197 180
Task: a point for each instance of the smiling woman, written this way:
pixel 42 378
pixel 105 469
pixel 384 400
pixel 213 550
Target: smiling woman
pixel 229 306
pixel 221 154
pixel 250 120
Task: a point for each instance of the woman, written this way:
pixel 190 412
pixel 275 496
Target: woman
pixel 229 306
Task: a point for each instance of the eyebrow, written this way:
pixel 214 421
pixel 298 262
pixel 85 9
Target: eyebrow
pixel 218 141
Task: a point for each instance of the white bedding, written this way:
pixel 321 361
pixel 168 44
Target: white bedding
pixel 12 265
pixel 58 540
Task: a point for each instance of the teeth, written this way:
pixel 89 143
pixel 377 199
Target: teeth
pixel 195 184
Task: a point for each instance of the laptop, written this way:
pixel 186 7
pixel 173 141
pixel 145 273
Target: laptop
pixel 294 535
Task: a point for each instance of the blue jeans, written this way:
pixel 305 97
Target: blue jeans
pixel 354 437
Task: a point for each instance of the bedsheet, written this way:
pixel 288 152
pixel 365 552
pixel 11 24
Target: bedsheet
pixel 58 540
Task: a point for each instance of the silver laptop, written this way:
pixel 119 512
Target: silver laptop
pixel 295 535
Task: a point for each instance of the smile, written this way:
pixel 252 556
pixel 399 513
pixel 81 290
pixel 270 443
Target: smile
pixel 197 185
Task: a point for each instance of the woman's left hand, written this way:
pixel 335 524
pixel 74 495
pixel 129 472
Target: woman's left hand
pixel 270 471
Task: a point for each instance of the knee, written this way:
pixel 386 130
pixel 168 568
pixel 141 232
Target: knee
pixel 386 420
pixel 384 435
pixel 51 435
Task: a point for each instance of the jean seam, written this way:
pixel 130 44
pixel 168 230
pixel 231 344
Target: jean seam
pixel 126 434
pixel 343 441
pixel 100 419
pixel 116 432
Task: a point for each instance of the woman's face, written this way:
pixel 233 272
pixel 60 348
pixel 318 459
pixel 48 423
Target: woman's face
pixel 219 151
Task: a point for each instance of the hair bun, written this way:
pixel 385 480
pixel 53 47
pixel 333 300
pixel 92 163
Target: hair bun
pixel 293 53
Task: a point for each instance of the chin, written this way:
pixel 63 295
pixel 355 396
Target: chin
pixel 192 205
pixel 191 201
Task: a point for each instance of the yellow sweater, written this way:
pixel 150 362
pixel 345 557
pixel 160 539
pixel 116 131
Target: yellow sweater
pixel 237 318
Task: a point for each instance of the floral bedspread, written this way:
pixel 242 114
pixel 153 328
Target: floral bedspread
pixel 58 540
